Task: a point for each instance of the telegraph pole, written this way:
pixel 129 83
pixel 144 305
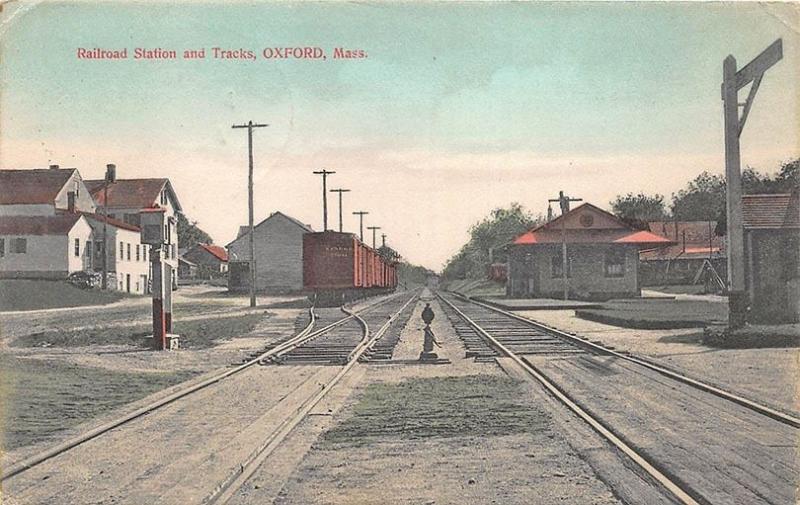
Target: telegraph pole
pixel 250 125
pixel 340 191
pixel 324 173
pixel 111 176
pixel 564 201
pixel 373 228
pixel 361 215
pixel 732 82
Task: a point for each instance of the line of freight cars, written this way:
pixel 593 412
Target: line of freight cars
pixel 338 267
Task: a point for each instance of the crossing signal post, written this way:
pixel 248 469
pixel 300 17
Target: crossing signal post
pixel 156 231
pixel 732 82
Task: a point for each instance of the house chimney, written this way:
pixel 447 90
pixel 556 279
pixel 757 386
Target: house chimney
pixel 71 201
pixel 111 172
pixel 53 167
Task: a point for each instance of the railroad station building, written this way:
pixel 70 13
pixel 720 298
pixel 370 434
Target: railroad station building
pixel 772 267
pixel 279 256
pixel 602 257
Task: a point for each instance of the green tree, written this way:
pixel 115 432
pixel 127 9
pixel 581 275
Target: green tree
pixel 496 230
pixel 639 207
pixel 190 234
pixel 703 199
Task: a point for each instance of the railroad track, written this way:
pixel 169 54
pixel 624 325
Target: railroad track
pixel 555 358
pixel 374 322
pixel 314 328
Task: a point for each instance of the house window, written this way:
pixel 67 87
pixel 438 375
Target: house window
pixel 173 251
pixel 129 251
pixel 164 197
pixel 144 252
pixel 138 256
pixel 557 266
pixel 77 248
pixel 121 250
pixel 615 263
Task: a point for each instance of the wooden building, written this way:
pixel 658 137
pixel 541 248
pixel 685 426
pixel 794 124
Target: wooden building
pixel 602 254
pixel 772 267
pixel 279 256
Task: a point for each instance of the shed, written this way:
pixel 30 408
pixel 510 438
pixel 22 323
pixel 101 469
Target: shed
pixel 772 246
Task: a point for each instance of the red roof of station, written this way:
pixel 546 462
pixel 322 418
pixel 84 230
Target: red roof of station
pixel 218 252
pixel 32 186
pixel 38 225
pixel 588 224
pixel 772 211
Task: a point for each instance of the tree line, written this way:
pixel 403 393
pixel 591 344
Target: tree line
pixel 701 199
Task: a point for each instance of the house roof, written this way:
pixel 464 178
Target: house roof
pixel 218 252
pixel 244 230
pixel 589 224
pixel 132 193
pixel 771 211
pixel 60 224
pixel 32 186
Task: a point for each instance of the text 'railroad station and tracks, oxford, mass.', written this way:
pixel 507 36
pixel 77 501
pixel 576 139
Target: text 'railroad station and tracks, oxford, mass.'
pixel 220 53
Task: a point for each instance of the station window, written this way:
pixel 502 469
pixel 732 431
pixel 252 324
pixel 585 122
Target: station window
pixel 77 248
pixel 557 266
pixel 615 263
pixel 19 246
pixel 121 250
pixel 138 255
pixel 129 251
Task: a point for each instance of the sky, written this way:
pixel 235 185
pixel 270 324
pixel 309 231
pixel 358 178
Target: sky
pixel 458 108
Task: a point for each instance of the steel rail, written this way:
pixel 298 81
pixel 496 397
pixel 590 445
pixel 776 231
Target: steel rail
pixel 230 486
pixel 774 414
pixel 643 462
pixel 304 335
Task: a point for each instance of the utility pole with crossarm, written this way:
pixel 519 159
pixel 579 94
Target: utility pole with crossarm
pixel 340 191
pixel 250 125
pixel 360 215
pixel 324 173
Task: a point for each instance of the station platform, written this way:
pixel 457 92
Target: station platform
pixel 537 303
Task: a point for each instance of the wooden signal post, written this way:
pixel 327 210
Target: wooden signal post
pixel 732 82
pixel 564 201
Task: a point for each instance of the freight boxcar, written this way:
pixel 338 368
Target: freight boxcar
pixel 338 267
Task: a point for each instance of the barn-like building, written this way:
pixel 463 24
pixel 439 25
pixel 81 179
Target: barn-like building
pixel 279 256
pixel 602 253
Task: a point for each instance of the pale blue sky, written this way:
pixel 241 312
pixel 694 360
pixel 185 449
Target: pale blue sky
pixel 458 108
